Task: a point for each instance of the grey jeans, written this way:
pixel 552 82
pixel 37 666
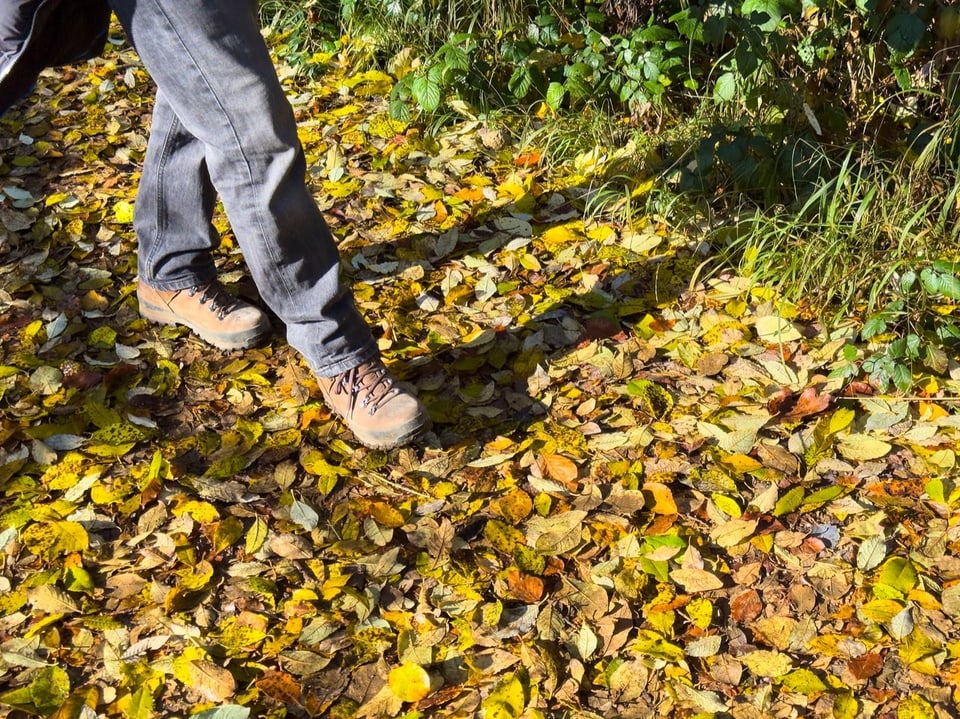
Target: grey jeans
pixel 222 125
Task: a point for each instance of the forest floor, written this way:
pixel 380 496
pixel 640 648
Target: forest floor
pixel 645 493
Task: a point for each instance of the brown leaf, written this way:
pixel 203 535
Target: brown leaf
pixel 280 687
pixel 788 408
pixel 711 364
pixel 866 666
pixel 524 587
pixel 746 606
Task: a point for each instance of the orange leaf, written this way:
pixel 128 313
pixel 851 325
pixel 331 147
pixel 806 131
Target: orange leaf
pixel 790 408
pixel 866 666
pixel 528 159
pixel 661 497
pixel 524 587
pixel 470 194
pixel 560 468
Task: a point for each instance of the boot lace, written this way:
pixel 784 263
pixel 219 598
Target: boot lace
pixel 370 384
pixel 221 301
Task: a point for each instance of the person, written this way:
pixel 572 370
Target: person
pixel 223 126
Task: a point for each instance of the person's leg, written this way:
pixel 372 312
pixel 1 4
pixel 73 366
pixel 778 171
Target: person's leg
pixel 175 204
pixel 209 60
pixel 174 225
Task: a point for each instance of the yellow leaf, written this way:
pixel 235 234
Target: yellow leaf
pixel 696 580
pixel 196 577
pixel 212 682
pixel 700 611
pixel 651 644
pixel 861 447
pixel 881 610
pixel 507 700
pixel 384 514
pixel 53 539
pixel 840 420
pixel 741 463
pixel 915 707
pixel 502 536
pixel 556 238
pixel 763 663
pixel 774 329
pixel 256 536
pixel 734 532
pixel 123 212
pixel 410 682
pixel 202 512
pixel 727 505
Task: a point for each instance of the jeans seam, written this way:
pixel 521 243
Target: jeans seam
pixel 158 199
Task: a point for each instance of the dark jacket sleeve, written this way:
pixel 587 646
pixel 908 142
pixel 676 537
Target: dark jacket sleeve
pixel 37 34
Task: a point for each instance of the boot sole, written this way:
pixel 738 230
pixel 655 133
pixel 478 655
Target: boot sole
pixel 225 341
pixel 374 441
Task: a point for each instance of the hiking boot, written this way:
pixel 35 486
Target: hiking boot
pixel 381 414
pixel 209 310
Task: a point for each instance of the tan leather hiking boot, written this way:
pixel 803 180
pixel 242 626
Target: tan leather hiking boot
pixel 209 310
pixel 380 413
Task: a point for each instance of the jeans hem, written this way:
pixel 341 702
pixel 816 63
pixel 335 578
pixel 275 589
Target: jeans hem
pixel 333 368
pixel 177 285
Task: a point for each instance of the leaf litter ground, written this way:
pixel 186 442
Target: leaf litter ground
pixel 643 493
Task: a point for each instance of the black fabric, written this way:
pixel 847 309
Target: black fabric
pixel 16 16
pixel 36 34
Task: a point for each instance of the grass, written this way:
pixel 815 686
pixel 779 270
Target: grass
pixel 833 226
pixel 866 223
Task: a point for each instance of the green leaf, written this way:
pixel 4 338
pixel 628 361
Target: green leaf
pixel 141 705
pixel 426 92
pixel 555 94
pixel 804 681
pixel 520 82
pixel 899 573
pixel 726 88
pixel 789 502
pixel 765 14
pixel 904 32
pixel 875 325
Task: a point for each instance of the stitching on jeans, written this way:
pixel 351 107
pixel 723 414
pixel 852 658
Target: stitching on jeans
pixel 158 195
